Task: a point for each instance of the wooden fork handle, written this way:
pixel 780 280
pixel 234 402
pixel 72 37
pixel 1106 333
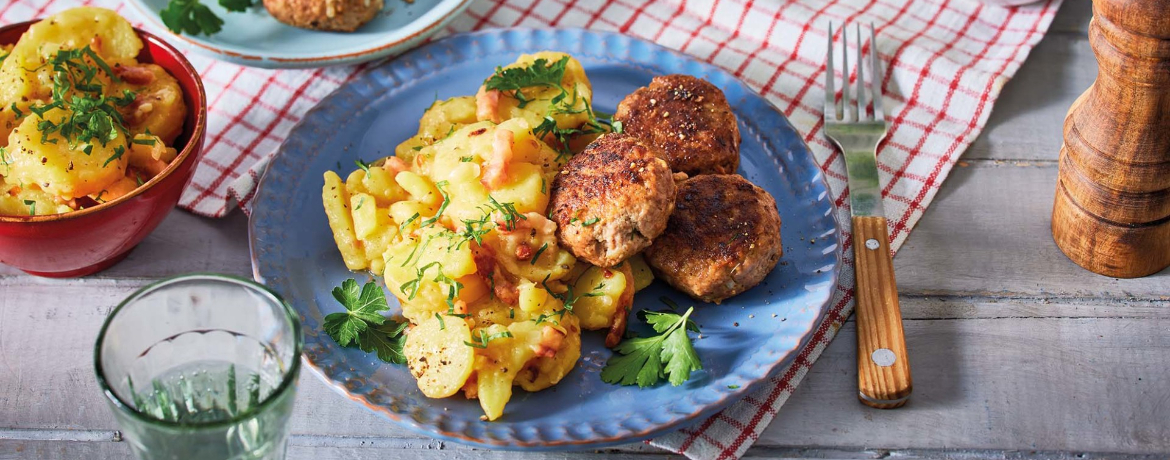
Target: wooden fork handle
pixel 883 370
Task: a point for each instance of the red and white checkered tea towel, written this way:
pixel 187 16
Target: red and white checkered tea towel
pixel 945 63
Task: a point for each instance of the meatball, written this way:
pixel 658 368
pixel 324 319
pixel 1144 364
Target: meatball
pixel 612 199
pixel 688 119
pixel 336 15
pixel 723 238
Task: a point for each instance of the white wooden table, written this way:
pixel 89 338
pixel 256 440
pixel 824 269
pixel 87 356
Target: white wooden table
pixel 1016 351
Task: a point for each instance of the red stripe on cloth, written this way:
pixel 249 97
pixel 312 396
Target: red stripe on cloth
pixel 930 127
pixel 800 363
pixel 766 42
pixel 487 16
pixel 735 32
pixel 239 159
pixel 569 6
pixel 902 223
pixel 698 30
pixel 625 28
pixel 525 13
pixel 814 76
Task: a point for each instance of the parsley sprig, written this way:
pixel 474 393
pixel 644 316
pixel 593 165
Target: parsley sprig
pixel 77 89
pixel 644 361
pixel 363 325
pixel 193 17
pixel 540 73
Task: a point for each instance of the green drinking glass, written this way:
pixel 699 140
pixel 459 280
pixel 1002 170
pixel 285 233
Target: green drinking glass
pixel 201 366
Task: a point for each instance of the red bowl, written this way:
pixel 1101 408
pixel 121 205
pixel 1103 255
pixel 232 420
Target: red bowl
pixel 83 242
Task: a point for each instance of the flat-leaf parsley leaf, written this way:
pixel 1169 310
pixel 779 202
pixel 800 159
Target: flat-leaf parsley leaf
pixel 644 361
pixel 362 324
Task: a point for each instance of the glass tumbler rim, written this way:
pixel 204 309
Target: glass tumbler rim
pixel 288 379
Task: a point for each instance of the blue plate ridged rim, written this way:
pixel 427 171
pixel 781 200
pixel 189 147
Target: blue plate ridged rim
pixel 785 148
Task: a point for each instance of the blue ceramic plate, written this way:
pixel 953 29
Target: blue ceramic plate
pixel 254 38
pixel 747 339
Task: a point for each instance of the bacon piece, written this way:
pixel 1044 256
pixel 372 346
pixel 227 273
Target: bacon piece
pixel 496 167
pixel 485 266
pixel 551 340
pixel 486 104
pixel 134 75
pixel 523 252
pixel 395 165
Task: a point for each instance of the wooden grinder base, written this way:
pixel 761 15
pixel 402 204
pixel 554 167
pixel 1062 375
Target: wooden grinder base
pixel 1112 209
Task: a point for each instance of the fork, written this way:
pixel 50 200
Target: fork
pixel 883 370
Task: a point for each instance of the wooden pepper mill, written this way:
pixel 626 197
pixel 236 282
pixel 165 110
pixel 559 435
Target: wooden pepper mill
pixel 1112 211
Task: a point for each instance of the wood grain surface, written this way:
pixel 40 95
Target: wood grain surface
pixel 883 369
pixel 1112 204
pixel 1017 352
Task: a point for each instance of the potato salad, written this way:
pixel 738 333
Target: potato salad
pixel 82 122
pixel 456 225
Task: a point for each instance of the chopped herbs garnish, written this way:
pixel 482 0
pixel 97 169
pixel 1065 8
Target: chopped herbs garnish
pixel 32 207
pixel 442 207
pixel 78 90
pixel 484 338
pixel 644 361
pixel 360 203
pixel 147 141
pixel 473 230
pixel 591 221
pixel 363 325
pixel 733 387
pixel 442 324
pixel 540 251
pixel 413 285
pixel 539 73
pixel 118 151
pixel 361 164
pixel 511 216
pixel 543 186
pixel 464 159
pixel 17 111
pixel 408 221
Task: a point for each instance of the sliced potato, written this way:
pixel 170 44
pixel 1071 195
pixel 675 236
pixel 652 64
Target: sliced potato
pixel 544 372
pixel 601 296
pixel 159 107
pixel 336 200
pixel 642 274
pixel 438 357
pixel 56 167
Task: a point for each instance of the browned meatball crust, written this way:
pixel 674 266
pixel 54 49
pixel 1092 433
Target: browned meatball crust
pixel 337 15
pixel 612 199
pixel 722 239
pixel 688 119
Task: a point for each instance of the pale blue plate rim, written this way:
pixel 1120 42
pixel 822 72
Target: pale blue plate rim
pixel 450 48
pixel 391 42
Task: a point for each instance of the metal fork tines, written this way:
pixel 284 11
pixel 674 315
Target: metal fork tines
pixel 853 128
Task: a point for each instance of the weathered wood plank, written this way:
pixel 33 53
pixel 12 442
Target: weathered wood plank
pixel 1028 118
pixel 996 379
pixel 49 450
pixel 1073 17
pixel 1044 384
pixel 183 243
pixel 989 233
